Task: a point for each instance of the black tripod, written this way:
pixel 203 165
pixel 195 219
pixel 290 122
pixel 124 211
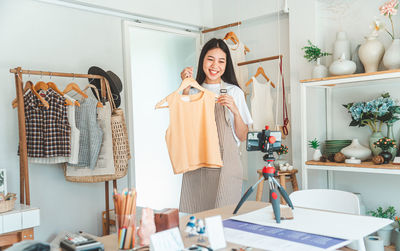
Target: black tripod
pixel 268 172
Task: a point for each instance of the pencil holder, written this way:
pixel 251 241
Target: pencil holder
pixel 126 226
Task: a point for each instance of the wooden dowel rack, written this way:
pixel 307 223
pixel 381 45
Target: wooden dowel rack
pixel 221 27
pixel 55 74
pixel 23 149
pixel 260 60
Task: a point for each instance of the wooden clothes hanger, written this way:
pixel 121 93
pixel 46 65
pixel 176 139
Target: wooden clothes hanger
pixel 29 86
pixel 185 83
pixel 232 36
pixel 75 87
pixel 44 86
pixel 259 71
pixel 99 104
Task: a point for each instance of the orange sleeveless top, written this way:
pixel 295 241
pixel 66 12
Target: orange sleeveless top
pixel 192 136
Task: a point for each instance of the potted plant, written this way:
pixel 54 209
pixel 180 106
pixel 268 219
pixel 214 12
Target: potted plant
pixel 373 114
pixel 314 144
pixel 385 144
pixel 386 232
pixel 281 151
pixel 313 54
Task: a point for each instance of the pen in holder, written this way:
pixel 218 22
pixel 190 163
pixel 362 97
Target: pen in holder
pixel 125 209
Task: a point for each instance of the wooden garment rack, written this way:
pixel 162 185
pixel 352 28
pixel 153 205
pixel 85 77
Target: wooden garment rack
pixel 222 27
pixel 23 149
pixel 260 60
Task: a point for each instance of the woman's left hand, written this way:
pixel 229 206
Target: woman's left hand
pixel 228 101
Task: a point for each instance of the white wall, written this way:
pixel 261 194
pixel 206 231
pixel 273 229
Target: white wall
pixel 259 32
pixel 323 19
pixel 195 12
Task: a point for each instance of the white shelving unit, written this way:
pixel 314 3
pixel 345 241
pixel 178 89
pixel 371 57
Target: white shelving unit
pixel 329 83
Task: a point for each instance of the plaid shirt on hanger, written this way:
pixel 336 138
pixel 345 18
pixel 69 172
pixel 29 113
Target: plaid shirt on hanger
pixel 47 130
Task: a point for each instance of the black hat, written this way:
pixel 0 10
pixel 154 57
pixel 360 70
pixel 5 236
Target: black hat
pixel 113 80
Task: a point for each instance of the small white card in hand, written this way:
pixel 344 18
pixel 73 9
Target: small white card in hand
pixel 215 232
pixel 166 240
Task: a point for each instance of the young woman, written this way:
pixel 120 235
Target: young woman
pixel 208 188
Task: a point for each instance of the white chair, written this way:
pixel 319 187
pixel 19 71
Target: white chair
pixel 330 200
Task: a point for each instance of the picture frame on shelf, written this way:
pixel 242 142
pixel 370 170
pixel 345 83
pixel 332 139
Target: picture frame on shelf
pixel 396 161
pixel 3 181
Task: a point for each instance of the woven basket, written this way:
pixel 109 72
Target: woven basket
pixel 7 205
pixel 121 150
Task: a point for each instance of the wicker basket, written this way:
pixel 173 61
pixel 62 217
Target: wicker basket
pixel 7 205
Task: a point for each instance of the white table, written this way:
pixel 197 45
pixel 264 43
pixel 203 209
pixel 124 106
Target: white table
pixel 332 224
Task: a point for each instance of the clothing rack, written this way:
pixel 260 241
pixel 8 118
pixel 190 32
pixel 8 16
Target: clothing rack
pixel 23 159
pixel 260 60
pixel 221 27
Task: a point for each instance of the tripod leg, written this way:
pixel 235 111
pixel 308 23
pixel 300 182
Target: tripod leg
pixel 274 199
pixel 246 195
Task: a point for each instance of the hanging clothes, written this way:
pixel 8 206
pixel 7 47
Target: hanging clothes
pixel 191 137
pixel 47 130
pixel 242 73
pixel 105 161
pixel 91 135
pixel 209 188
pixel 73 159
pixel 238 97
pixel 261 105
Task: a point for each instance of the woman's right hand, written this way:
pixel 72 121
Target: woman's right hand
pixel 187 73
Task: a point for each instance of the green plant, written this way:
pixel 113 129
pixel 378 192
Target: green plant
pixel 314 143
pixel 282 150
pixel 397 219
pixel 388 213
pixel 385 143
pixel 312 52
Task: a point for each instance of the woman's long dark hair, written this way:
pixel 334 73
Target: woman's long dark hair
pixel 229 74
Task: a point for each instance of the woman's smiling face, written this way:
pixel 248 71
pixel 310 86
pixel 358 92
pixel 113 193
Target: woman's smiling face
pixel 214 65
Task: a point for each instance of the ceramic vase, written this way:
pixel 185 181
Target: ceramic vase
pixel 356 59
pixel 386 234
pixel 319 70
pixel 371 53
pixel 355 149
pixel 390 135
pixel 387 156
pixel 373 138
pixel 342 66
pixel 317 155
pixel 341 46
pixel 396 238
pixel 391 59
pixel 373 243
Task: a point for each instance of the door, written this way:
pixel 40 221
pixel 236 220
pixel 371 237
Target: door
pixel 156 56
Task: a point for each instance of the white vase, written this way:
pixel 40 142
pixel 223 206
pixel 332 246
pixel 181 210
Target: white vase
pixel 355 149
pixel 317 155
pixel 373 243
pixel 391 59
pixel 386 234
pixel 342 66
pixel 371 53
pixel 356 59
pixel 341 45
pixel 319 70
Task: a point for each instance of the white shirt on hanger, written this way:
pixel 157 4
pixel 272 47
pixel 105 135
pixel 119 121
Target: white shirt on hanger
pixel 238 96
